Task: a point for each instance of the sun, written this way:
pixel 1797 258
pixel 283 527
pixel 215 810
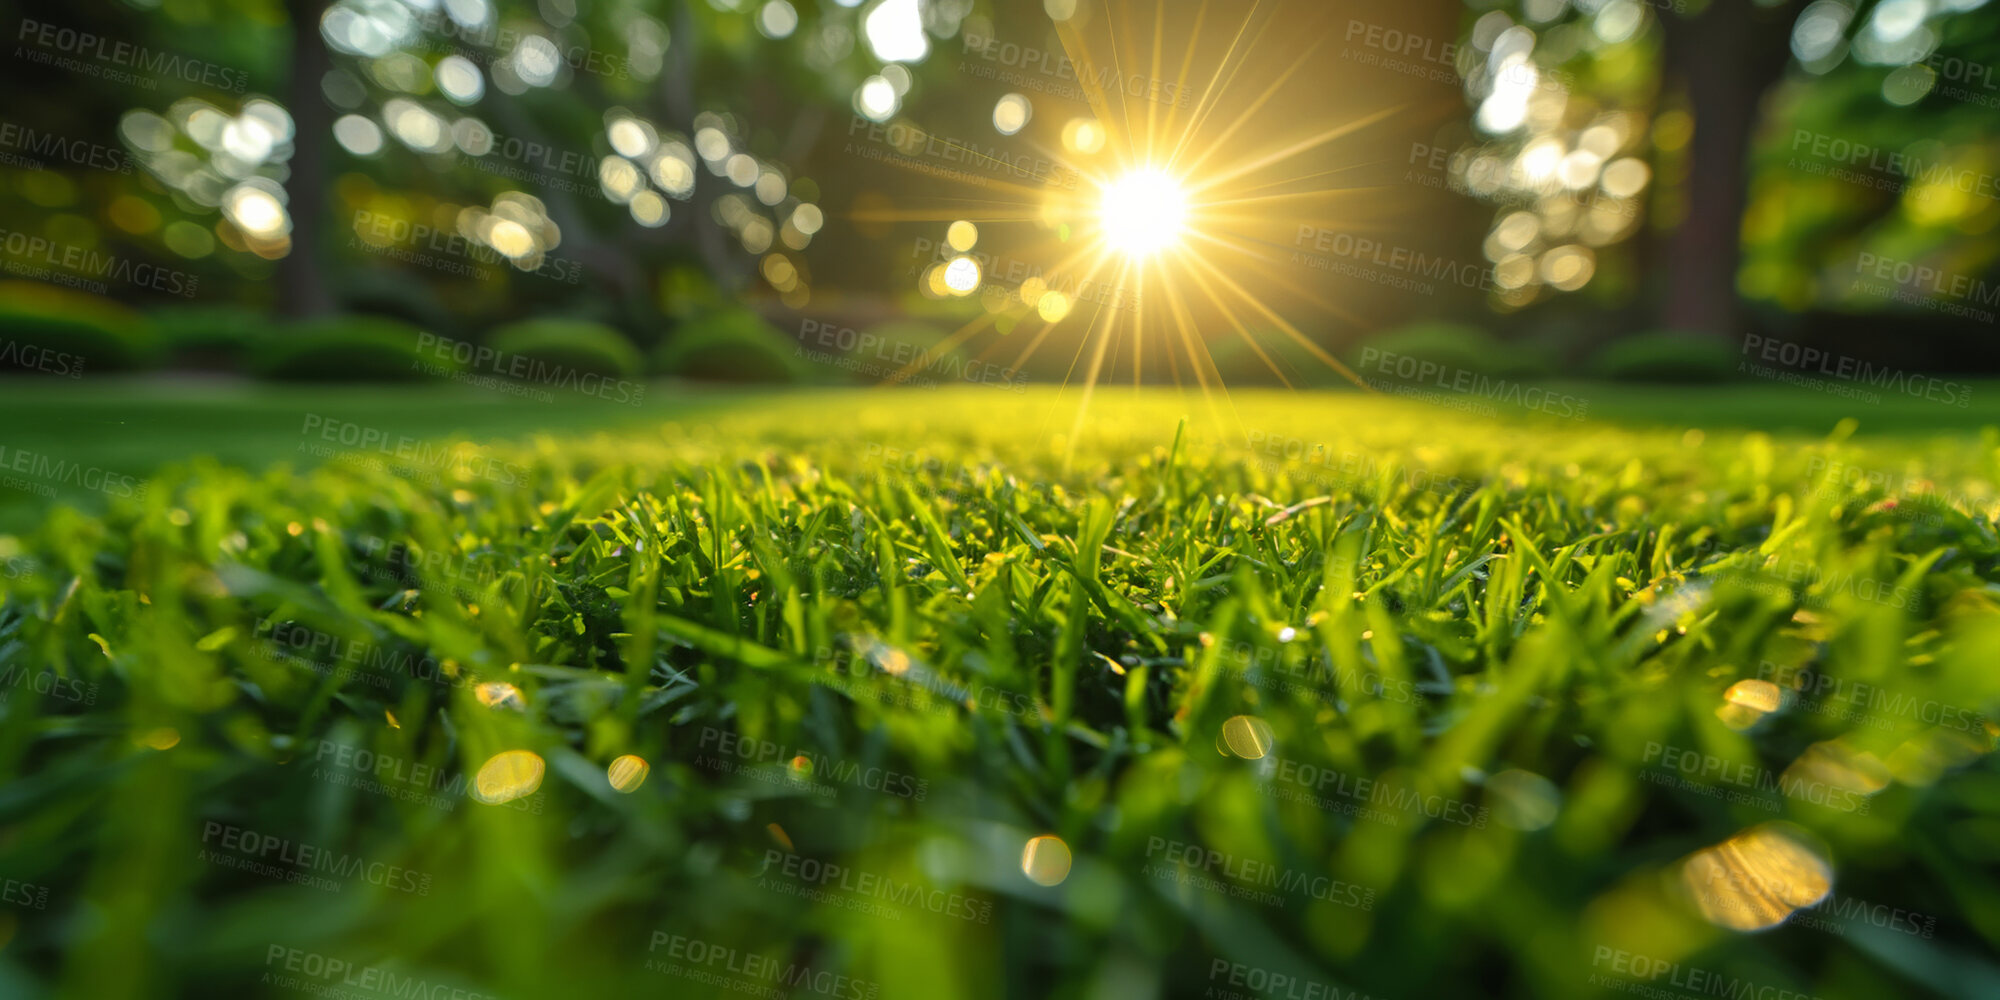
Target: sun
pixel 1143 212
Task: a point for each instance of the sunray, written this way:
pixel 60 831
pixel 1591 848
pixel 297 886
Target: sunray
pixel 1087 80
pixel 1187 62
pixel 1287 284
pixel 1302 178
pixel 1089 389
pixel 1242 330
pixel 1230 193
pixel 1211 96
pixel 1303 195
pixel 1279 321
pixel 1118 69
pixel 932 353
pixel 993 183
pixel 1138 342
pixel 1026 214
pixel 1247 114
pixel 1337 132
pixel 1197 353
pixel 1159 40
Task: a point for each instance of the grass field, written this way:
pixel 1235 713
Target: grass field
pixel 951 695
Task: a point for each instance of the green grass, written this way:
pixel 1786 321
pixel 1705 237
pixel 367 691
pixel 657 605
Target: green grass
pixel 945 623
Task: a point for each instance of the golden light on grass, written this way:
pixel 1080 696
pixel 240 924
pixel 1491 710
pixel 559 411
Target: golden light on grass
pixel 1837 764
pixel 1143 212
pixel 895 663
pixel 1246 736
pixel 508 775
pixel 1763 696
pixel 627 773
pixel 779 835
pixel 162 738
pixel 1756 879
pixel 1747 702
pixel 1924 758
pixel 1045 860
pixel 499 694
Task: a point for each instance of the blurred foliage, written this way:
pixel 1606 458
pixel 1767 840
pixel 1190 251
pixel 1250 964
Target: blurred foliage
pixel 100 335
pixel 731 345
pixel 568 344
pixel 895 351
pixel 1270 358
pixel 1904 93
pixel 351 348
pixel 1457 347
pixel 1917 182
pixel 1666 356
pixel 222 337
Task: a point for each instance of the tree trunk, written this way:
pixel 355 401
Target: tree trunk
pixel 302 289
pixel 677 92
pixel 1722 62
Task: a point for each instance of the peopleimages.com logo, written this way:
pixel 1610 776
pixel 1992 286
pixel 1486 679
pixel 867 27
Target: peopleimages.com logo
pixel 483 359
pixel 833 883
pixel 32 256
pixel 106 57
pixel 40 147
pixel 20 354
pixel 312 972
pixel 48 470
pixel 1818 361
pixel 1263 984
pixel 693 958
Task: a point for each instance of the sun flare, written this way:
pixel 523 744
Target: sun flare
pixel 1143 212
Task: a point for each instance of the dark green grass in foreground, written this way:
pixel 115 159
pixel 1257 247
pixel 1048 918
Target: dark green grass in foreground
pixel 870 645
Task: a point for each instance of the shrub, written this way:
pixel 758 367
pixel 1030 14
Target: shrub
pixel 883 353
pixel 211 336
pixel 1452 346
pixel 65 332
pixel 568 345
pixel 1239 362
pixel 349 349
pixel 1666 356
pixel 730 345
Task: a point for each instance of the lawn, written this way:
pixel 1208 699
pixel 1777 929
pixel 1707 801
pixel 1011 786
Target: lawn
pixel 955 694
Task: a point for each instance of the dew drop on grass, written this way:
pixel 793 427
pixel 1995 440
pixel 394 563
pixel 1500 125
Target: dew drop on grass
pixel 499 694
pixel 1924 758
pixel 627 773
pixel 1523 800
pixel 162 738
pixel 1757 878
pixel 508 775
pixel 1246 736
pixel 1045 860
pixel 1839 765
pixel 1747 702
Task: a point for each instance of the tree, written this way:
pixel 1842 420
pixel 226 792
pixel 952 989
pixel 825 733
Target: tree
pixel 1694 85
pixel 1720 62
